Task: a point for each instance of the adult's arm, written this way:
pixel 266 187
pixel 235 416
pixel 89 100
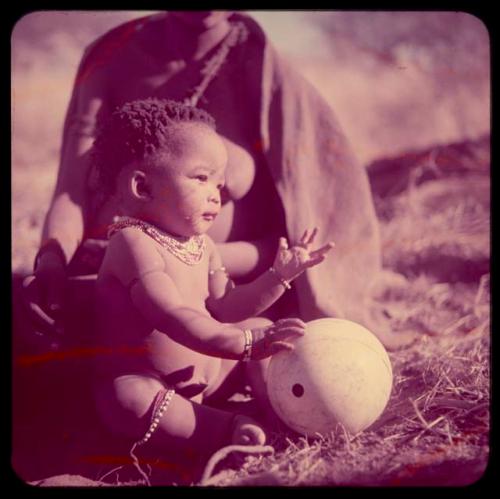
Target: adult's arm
pixel 64 224
pixel 65 219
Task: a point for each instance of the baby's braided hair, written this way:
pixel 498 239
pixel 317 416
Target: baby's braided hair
pixel 136 131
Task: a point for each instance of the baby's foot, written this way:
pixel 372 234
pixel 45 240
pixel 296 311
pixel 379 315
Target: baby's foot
pixel 246 431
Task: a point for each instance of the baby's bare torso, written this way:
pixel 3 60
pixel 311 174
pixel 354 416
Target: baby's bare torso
pixel 134 346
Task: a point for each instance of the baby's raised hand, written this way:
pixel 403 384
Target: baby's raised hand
pixel 291 262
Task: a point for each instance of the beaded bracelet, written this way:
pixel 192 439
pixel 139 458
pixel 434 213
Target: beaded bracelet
pixel 220 269
pixel 160 408
pixel 281 279
pixel 247 351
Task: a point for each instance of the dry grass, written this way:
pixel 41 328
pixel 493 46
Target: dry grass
pixel 435 429
pixel 439 226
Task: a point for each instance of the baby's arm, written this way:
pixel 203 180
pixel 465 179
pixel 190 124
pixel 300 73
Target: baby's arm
pixel 230 303
pixel 140 267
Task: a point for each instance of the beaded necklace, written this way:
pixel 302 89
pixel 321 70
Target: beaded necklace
pixel 237 34
pixel 189 250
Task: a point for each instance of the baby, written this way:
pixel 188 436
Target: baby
pixel 179 334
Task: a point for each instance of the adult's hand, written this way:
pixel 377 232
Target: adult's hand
pixel 44 293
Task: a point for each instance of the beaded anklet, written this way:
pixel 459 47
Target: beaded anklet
pixel 162 401
pixel 161 404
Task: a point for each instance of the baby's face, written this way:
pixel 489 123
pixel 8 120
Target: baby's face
pixel 186 184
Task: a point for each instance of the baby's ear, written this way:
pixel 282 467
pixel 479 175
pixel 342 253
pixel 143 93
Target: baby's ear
pixel 139 185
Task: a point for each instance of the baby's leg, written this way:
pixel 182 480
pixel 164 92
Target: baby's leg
pixel 187 433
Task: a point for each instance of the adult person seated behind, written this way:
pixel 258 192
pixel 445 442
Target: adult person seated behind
pixel 287 156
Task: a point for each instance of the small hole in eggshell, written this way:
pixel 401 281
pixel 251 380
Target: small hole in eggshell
pixel 298 390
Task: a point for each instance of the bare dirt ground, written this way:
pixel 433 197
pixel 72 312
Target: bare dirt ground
pixel 434 210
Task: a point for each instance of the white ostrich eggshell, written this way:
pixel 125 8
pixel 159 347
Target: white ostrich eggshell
pixel 338 372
